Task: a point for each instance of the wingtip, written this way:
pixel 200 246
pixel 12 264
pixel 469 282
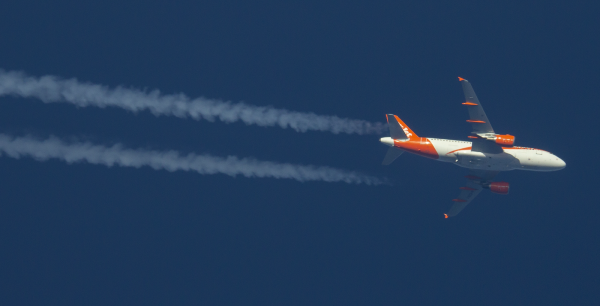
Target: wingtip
pixel 461 79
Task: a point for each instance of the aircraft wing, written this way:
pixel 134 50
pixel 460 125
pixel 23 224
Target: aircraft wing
pixel 485 146
pixel 473 187
pixel 479 121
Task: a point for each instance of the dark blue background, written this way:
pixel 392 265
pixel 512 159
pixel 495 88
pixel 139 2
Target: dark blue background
pixel 91 235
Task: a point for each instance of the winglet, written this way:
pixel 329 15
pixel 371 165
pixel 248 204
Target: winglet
pixel 460 79
pixel 446 216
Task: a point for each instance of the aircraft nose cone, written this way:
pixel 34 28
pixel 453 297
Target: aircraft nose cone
pixel 387 141
pixel 561 163
pixel 558 163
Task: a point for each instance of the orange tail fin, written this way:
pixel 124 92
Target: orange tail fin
pixel 399 129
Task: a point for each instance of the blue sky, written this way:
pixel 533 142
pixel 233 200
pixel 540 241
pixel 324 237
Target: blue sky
pixel 89 234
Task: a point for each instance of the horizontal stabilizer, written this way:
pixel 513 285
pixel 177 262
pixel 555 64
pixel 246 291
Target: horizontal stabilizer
pixel 391 155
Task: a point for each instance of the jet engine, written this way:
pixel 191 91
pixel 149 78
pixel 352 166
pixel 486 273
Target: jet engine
pixel 505 140
pixel 499 187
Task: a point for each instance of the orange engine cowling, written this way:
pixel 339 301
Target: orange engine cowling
pixel 499 187
pixel 506 140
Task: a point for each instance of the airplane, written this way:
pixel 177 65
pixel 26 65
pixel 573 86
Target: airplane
pixel 485 155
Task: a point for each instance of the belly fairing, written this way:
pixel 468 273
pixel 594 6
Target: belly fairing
pixel 486 161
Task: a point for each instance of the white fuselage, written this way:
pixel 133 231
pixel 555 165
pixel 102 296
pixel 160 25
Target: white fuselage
pixel 512 158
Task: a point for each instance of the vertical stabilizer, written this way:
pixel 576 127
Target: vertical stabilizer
pixel 398 129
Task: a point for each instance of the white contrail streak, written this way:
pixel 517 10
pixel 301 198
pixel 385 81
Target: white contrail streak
pixel 54 89
pixel 172 161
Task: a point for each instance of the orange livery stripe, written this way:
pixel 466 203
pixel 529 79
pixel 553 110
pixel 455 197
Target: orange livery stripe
pixel 419 146
pixel 461 149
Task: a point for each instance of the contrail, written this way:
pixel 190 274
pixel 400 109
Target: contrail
pixel 54 148
pixel 55 89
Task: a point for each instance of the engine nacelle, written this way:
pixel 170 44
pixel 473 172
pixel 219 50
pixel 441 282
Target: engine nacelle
pixel 505 140
pixel 499 187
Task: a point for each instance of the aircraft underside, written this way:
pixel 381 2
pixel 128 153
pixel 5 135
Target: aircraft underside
pixel 485 156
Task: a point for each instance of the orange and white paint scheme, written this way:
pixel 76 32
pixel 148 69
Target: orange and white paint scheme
pixel 485 155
